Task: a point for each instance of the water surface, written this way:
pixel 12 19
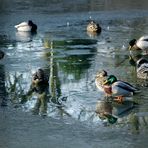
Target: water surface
pixel 71 57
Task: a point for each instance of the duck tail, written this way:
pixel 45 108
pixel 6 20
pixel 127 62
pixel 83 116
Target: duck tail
pixel 137 91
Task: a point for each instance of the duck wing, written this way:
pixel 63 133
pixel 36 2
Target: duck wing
pixel 125 86
pixel 143 68
pixel 23 24
pixel 143 38
pixel 142 42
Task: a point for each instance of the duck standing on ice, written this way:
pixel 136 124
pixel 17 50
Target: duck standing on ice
pixel 119 89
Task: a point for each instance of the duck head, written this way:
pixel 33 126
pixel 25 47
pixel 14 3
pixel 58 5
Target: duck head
pixel 107 84
pixel 110 80
pixel 101 74
pixel 132 43
pixel 40 77
pixel 33 26
pixel 30 23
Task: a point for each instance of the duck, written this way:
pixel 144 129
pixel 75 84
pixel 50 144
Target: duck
pixel 142 68
pixel 93 27
pixel 140 44
pixel 119 89
pixel 140 62
pixel 26 26
pixel 40 77
pixel 100 78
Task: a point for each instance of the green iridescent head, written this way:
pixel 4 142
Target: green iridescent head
pixel 111 79
pixel 111 119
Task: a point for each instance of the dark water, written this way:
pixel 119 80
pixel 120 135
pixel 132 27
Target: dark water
pixel 71 57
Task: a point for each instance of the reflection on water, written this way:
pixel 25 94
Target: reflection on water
pixel 113 111
pixel 71 60
pixel 23 36
pixel 71 57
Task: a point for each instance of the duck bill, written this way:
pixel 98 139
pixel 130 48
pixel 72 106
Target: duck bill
pixel 105 82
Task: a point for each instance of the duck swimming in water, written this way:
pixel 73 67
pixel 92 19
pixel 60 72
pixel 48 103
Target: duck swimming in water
pixel 118 89
pixel 26 26
pixel 140 44
pixel 93 27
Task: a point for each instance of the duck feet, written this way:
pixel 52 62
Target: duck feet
pixel 119 99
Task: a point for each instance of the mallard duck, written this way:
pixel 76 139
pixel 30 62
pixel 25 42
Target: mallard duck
pixel 142 68
pixel 140 44
pixel 93 27
pixel 118 89
pixel 141 63
pixel 40 77
pixel 26 26
pixel 100 78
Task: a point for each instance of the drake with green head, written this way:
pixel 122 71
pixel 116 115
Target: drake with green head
pixel 140 44
pixel 26 27
pixel 118 88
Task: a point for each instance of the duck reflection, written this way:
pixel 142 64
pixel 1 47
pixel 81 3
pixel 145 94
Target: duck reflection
pixel 112 111
pixel 92 34
pixel 24 36
pixel 104 111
